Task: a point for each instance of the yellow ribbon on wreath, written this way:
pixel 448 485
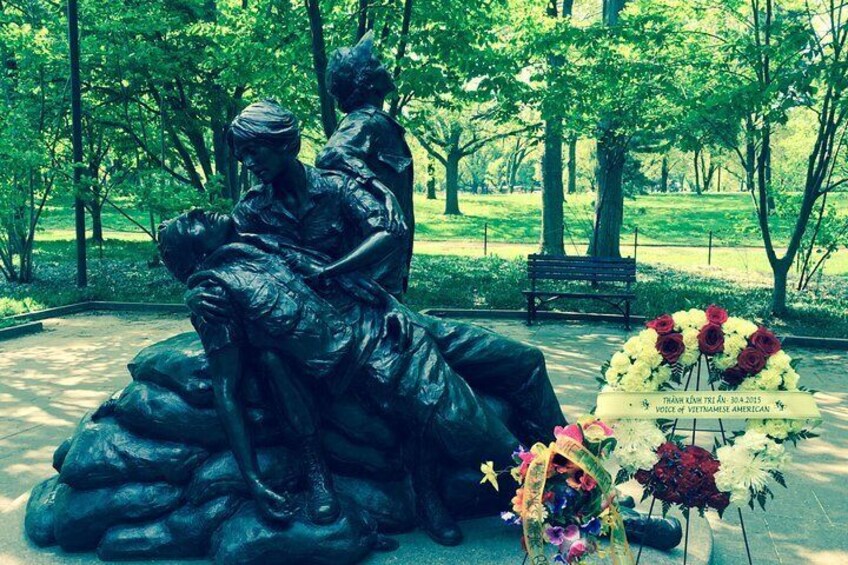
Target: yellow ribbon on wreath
pixel 533 511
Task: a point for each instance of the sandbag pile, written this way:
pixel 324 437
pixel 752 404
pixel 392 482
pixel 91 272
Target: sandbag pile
pixel 149 475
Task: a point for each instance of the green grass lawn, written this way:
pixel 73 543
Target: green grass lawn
pixel 122 273
pixel 661 218
pixel 516 218
pixel 449 270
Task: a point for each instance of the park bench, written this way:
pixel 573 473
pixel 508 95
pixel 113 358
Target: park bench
pixel 617 275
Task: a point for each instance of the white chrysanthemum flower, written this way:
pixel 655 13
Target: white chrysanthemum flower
pixel 753 442
pixel 739 326
pixel 740 470
pixel 648 336
pixel 697 318
pixel 620 362
pixel 690 338
pixel 750 384
pixel 636 443
pixel 778 429
pixel 681 320
pixel 770 379
pixel 612 376
pixel 798 425
pixel 640 370
pixel 779 360
pixel 653 358
pixel 662 374
pixel 723 362
pixel 633 346
pixel 790 379
pixel 631 383
pixel 734 344
pixel 635 456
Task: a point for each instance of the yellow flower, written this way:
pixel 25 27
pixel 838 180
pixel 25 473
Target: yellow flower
pixel 489 474
pixel 516 474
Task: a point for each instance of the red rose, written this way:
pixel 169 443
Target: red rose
pixel 711 339
pixel 671 346
pixel 716 315
pixel 765 341
pixel 751 360
pixel 662 325
pixel 734 375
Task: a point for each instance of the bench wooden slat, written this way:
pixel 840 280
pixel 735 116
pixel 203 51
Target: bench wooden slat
pixel 564 258
pixel 579 270
pixel 589 278
pixel 580 294
pixel 582 266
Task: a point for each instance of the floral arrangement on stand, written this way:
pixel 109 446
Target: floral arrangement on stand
pixel 565 499
pixel 740 356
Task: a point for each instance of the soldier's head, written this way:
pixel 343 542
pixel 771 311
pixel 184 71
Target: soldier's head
pixel 266 138
pixel 355 77
pixel 187 239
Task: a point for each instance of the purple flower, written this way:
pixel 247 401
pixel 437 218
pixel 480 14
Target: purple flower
pixel 556 534
pixel 592 527
pixel 572 533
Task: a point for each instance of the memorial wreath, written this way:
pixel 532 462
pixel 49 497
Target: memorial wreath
pixel 746 364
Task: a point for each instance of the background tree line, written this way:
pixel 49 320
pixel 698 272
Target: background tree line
pixel 613 97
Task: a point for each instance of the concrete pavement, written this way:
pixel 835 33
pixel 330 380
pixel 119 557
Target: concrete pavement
pixel 47 381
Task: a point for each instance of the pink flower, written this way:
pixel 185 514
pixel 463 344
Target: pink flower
pixel 571 431
pixel 587 483
pixel 577 550
pixel 526 458
pixel 572 533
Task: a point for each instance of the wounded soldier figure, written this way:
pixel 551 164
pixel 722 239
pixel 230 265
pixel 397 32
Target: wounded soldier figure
pixel 334 337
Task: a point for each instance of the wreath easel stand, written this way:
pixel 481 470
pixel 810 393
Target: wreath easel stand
pixel 688 373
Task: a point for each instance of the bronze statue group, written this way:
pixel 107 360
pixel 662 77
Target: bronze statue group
pixel 317 412
pixel 307 276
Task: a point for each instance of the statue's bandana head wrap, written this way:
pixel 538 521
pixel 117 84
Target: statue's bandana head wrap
pixel 268 123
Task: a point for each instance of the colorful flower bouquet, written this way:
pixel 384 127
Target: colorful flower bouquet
pixel 565 498
pixel 740 356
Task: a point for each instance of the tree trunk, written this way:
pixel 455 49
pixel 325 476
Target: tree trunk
pixel 572 165
pixel 95 208
pixel 664 175
pixel 778 296
pixel 611 151
pixel 452 184
pixel 697 172
pixel 319 60
pixel 552 189
pixel 552 194
pixel 431 180
pixel 609 204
